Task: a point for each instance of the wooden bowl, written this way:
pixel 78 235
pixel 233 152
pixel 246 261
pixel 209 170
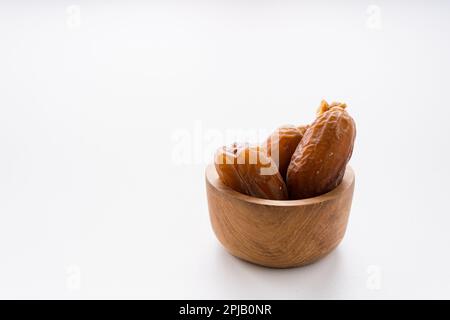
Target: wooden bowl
pixel 274 233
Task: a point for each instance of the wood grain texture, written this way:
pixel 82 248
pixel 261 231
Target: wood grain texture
pixel 279 234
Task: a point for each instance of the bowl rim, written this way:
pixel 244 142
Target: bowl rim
pixel 212 178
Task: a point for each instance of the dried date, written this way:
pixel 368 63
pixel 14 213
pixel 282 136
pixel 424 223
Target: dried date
pixel 248 169
pixel 318 164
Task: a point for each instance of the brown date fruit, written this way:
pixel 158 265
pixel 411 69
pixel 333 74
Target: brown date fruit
pixel 318 164
pixel 303 129
pixel 324 107
pixel 281 145
pixel 247 169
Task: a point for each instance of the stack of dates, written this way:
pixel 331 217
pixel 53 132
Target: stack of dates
pixel 294 162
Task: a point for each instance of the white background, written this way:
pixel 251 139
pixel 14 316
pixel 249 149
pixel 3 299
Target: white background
pixel 110 111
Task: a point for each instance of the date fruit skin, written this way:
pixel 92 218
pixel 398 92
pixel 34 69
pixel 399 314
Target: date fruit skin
pixel 318 164
pixel 247 169
pixel 324 107
pixel 303 129
pixel 281 145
